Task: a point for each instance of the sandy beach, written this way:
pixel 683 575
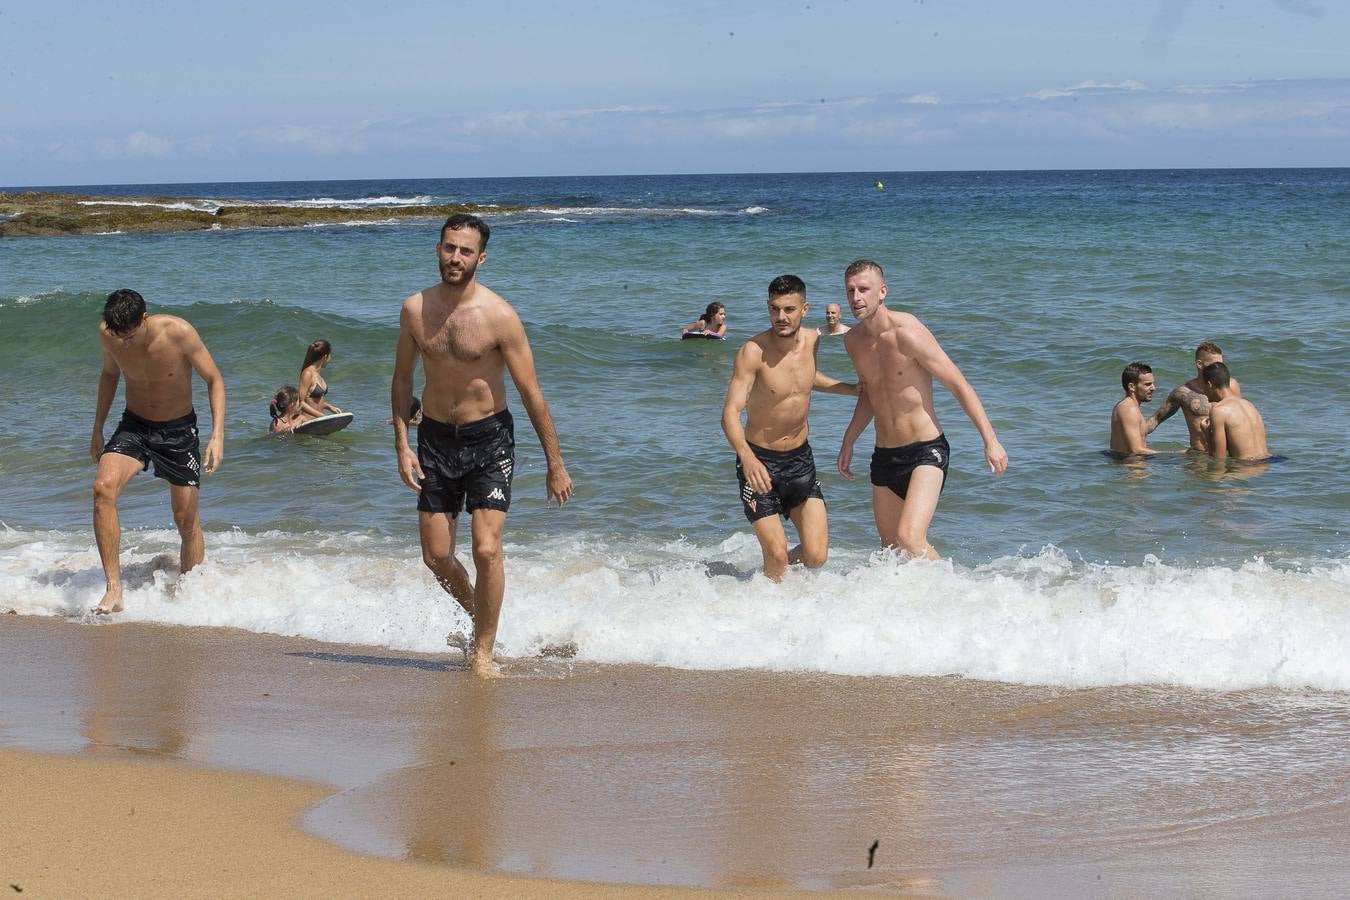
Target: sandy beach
pixel 257 763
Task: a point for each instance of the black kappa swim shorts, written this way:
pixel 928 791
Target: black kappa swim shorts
pixel 466 466
pixel 893 466
pixel 172 446
pixel 792 474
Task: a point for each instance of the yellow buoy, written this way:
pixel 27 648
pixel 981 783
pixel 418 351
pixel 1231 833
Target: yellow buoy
pixel 881 186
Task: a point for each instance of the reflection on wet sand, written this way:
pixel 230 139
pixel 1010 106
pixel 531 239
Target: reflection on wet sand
pixel 140 693
pixel 722 779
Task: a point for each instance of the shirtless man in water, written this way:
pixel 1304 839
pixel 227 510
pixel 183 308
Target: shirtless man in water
pixel 1236 429
pixel 157 355
pixel 468 338
pixel 1128 428
pixel 833 325
pixel 1190 398
pixel 771 383
pixel 897 359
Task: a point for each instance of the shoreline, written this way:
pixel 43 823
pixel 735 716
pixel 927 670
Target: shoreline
pixel 47 214
pixel 586 775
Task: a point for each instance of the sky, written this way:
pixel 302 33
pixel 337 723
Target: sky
pixel 155 92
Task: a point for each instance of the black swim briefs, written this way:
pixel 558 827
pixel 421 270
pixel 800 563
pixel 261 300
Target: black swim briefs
pixel 466 466
pixel 172 446
pixel 792 474
pixel 892 466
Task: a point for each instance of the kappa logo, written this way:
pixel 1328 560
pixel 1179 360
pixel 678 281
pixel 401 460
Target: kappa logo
pixel 937 454
pixel 496 494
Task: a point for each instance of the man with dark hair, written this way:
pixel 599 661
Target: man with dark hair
pixel 771 383
pixel 1128 430
pixel 468 338
pixel 1190 398
pixel 897 359
pixel 157 355
pixel 1236 429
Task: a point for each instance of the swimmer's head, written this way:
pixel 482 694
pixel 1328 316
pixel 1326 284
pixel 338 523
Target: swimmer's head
pixel 467 220
pixel 1217 378
pixel 318 351
pixel 123 313
pixel 864 288
pixel 414 408
pixel 1207 353
pixel 858 266
pixel 1138 382
pixel 832 313
pixel 710 315
pixel 282 402
pixel 787 304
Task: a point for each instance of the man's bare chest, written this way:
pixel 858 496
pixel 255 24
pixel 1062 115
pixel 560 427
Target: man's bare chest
pixel 459 338
pixel 152 364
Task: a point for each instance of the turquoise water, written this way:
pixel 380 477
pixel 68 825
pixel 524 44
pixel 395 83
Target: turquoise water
pixel 1041 286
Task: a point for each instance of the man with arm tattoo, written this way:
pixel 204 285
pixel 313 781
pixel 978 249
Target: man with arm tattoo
pixel 1190 399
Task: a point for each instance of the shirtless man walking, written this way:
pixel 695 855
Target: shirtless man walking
pixel 468 338
pixel 1190 398
pixel 1128 428
pixel 771 383
pixel 157 355
pixel 897 359
pixel 1236 429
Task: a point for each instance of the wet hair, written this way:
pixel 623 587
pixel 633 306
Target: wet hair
pixel 283 400
pixel 1133 372
pixel 465 220
pixel 317 351
pixel 786 284
pixel 1216 375
pixel 123 310
pixel 858 266
pixel 713 309
pixel 1208 348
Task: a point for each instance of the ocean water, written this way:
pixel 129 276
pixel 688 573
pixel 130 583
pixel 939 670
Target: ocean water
pixel 1069 570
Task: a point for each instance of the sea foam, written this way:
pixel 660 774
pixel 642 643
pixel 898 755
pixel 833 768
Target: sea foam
pixel 1035 619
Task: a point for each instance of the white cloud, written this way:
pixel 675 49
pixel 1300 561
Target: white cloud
pixel 138 143
pixel 925 99
pixel 1088 87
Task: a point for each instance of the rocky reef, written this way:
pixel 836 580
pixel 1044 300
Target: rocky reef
pixel 40 214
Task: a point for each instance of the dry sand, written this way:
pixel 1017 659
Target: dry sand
pixel 79 827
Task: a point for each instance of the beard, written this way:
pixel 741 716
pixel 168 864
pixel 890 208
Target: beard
pixel 455 279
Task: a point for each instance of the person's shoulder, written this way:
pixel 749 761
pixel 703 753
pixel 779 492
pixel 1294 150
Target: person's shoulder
pixel 756 345
pixel 171 326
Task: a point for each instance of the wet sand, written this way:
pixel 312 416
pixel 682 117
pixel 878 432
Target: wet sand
pixel 639 776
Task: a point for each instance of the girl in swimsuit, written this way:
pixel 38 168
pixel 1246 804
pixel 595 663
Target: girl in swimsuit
pixel 312 386
pixel 712 323
pixel 286 412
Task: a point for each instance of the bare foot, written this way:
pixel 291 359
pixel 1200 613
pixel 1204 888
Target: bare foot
pixel 484 667
pixel 111 602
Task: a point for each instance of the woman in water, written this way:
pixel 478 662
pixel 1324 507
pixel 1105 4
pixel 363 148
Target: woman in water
pixel 312 386
pixel 286 411
pixel 713 322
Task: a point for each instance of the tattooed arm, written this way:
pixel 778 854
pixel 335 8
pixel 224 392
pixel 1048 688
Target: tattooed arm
pixel 1166 411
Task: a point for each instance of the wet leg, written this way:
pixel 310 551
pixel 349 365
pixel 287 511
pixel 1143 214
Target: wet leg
pixel 489 587
pixel 193 546
pixel 114 472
